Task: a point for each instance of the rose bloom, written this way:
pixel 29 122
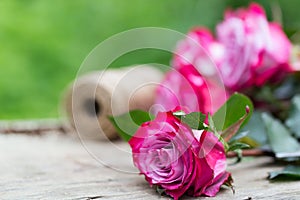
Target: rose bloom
pixel 255 50
pixel 176 90
pixel 194 82
pixel 168 154
pixel 199 49
pixel 186 88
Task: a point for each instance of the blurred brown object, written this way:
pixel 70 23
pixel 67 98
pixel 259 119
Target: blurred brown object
pixel 95 96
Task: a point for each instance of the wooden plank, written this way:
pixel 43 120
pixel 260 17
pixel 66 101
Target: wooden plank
pixel 55 166
pixel 33 127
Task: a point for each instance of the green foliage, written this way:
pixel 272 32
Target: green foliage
pixel 232 111
pixel 256 129
pixel 237 145
pixel 128 123
pixel 268 131
pixel 229 132
pixel 279 137
pixel 291 172
pixel 293 121
pixel 195 119
pixel 212 128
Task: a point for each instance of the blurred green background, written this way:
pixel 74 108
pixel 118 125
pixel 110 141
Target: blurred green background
pixel 43 43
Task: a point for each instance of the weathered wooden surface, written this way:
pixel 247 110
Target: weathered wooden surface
pixel 57 166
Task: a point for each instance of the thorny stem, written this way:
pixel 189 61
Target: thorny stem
pixel 250 152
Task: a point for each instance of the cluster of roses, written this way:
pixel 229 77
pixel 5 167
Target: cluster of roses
pixel 248 51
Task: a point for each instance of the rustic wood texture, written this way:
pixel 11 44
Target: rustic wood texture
pixel 57 166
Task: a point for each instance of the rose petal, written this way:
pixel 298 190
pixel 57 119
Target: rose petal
pixel 214 188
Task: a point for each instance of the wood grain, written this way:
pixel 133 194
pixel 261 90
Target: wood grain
pixel 56 166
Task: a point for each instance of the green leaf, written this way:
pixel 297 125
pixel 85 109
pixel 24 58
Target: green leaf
pixel 293 121
pixel 128 123
pixel 279 137
pixel 239 136
pixel 291 172
pixel 234 128
pixel 249 141
pixel 195 119
pixel 256 129
pixel 238 145
pixel 212 126
pixel 213 129
pixel 232 111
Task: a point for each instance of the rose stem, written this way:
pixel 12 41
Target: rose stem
pixel 250 152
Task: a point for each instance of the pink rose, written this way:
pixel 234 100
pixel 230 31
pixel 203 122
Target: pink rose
pixel 177 90
pixel 194 82
pixel 255 50
pixel 168 154
pixel 200 50
pixel 186 88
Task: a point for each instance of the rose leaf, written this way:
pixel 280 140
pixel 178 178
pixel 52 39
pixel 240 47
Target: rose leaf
pixel 279 137
pixel 127 124
pixel 291 172
pixel 237 145
pixel 212 128
pixel 256 129
pixel 293 121
pixel 195 120
pixel 229 132
pixel 232 111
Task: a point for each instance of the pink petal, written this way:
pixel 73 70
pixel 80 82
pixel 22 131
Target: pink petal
pixel 214 188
